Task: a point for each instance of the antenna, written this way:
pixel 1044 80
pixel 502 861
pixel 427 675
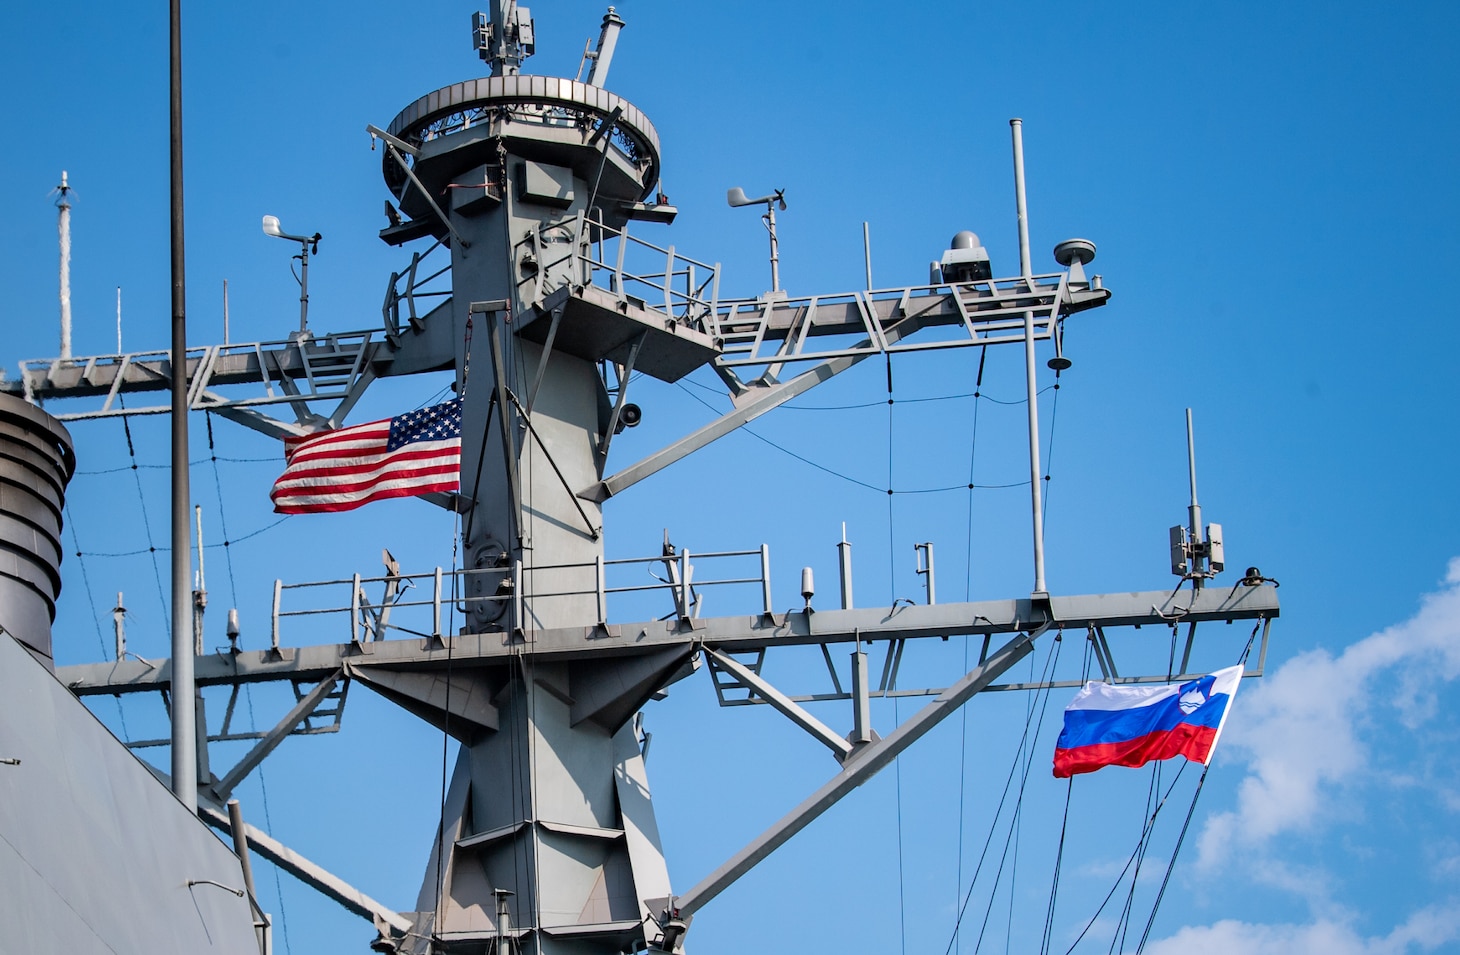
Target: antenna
pixel 119 319
pixel 505 38
pixel 200 588
pixel 63 205
pixel 1192 557
pixel 867 254
pixel 1036 491
pixel 737 198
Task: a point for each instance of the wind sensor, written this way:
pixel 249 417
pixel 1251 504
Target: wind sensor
pixel 737 198
pixel 308 244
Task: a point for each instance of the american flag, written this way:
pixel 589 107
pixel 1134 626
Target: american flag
pixel 410 454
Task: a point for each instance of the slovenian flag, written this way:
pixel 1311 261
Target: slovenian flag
pixel 1109 725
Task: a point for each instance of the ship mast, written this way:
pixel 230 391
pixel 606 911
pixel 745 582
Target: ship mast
pixel 63 226
pixel 548 840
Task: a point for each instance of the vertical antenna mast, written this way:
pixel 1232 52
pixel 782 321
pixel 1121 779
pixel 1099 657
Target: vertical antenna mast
pixel 1193 512
pixel 1036 492
pixel 1196 557
pixel 63 204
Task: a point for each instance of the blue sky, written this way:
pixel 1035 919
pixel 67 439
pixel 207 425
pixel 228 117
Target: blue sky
pixel 1272 194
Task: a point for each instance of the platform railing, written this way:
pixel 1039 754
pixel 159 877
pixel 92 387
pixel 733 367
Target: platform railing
pixel 296 370
pixel 587 252
pixel 361 620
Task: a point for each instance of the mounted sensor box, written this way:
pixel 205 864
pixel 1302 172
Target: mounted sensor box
pixel 545 185
pixel 473 193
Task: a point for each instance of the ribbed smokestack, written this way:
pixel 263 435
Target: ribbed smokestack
pixel 36 463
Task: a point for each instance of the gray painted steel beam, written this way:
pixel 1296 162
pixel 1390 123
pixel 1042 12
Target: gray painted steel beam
pixel 306 705
pixel 839 747
pixel 868 761
pixel 721 426
pixel 924 312
pixel 312 875
pixel 748 632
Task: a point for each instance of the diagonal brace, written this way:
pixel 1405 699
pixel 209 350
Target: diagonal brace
pixel 768 398
pixel 746 410
pixel 306 705
pixel 310 873
pixel 793 711
pixel 867 763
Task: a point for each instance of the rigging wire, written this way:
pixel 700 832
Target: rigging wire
pixel 456 541
pixel 247 688
pixel 993 825
pixel 167 467
pixel 446 719
pixel 1176 851
pixel 1059 858
pixel 1046 675
pixel 1054 881
pixel 874 404
pixel 1017 832
pixel 1145 831
pixel 166 547
pixel 95 614
pixel 962 784
pixel 967 595
pixel 846 477
pixel 516 359
pixel 896 716
pixel 222 517
pixel 1122 923
pixel 1049 451
pixel 269 827
pixel 1190 810
pixel 146 521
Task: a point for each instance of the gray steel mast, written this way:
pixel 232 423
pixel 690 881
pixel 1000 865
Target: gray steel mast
pixel 548 837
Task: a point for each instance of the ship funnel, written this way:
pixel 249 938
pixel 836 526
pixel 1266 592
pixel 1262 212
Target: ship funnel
pixel 36 463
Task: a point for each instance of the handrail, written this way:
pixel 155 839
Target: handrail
pixel 682 287
pixel 371 620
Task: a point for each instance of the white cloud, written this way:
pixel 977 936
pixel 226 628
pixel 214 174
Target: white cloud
pixel 1426 930
pixel 1300 730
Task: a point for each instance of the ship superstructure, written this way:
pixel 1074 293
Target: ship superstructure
pixel 547 309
